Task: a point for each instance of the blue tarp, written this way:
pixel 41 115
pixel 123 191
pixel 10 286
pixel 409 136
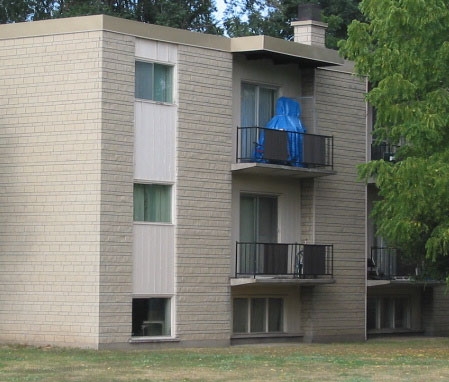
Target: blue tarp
pixel 287 118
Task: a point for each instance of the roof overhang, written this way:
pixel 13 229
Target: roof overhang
pixel 284 52
pixel 253 47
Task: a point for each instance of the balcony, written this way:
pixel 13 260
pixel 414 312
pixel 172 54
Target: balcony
pixel 383 151
pixel 283 153
pixel 385 264
pixel 283 263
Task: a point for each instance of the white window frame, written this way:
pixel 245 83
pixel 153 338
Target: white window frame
pixel 172 312
pixel 170 99
pixel 171 203
pixel 266 313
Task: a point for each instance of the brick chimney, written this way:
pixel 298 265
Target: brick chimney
pixel 309 29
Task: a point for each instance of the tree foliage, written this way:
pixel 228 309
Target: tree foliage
pixel 404 50
pixel 194 15
pixel 273 17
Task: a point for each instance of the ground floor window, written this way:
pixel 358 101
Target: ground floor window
pixel 388 313
pixel 258 315
pixel 151 317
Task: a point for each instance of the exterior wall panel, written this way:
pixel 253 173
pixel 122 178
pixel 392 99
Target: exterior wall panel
pixel 50 204
pixel 204 154
pixel 155 142
pixel 153 265
pixel 338 310
pixel 117 137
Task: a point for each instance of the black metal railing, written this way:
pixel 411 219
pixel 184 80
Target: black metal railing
pixel 257 144
pixel 283 260
pixel 383 151
pixel 386 263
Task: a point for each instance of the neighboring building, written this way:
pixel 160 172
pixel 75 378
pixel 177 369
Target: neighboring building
pixel 141 204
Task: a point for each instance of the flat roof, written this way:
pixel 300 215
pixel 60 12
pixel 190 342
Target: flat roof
pixel 282 51
pixel 253 47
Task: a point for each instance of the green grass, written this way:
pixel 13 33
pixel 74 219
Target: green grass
pixel 401 359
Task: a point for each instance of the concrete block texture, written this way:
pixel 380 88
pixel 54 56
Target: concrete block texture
pixel 204 155
pixel 66 201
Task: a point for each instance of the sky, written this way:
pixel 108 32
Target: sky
pixel 220 8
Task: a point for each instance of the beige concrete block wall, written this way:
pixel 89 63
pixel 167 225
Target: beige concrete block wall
pixel 435 306
pixel 204 155
pixel 117 137
pixel 338 310
pixel 50 204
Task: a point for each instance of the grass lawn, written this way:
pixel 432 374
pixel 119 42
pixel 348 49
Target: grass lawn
pixel 400 359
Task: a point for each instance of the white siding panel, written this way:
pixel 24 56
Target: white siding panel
pixel 157 51
pixel 153 272
pixel 154 149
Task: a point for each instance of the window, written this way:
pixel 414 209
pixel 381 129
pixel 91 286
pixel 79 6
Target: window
pixel 257 108
pixel 388 313
pixel 152 203
pixel 258 315
pixel 154 81
pixel 151 317
pixel 258 103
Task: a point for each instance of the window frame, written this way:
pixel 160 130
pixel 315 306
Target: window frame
pixel 266 316
pixel 168 319
pixel 385 311
pixel 169 205
pixel 139 80
pixel 257 101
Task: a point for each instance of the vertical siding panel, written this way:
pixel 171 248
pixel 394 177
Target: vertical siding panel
pixel 154 161
pixel 153 268
pixel 154 152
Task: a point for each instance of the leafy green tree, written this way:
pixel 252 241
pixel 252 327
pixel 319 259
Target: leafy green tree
pixel 14 11
pixel 273 17
pixel 194 15
pixel 403 49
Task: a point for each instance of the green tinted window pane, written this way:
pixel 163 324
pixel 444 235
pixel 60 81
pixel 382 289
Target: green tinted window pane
pixel 152 203
pixel 162 83
pixel 159 203
pixel 266 105
pixel 248 105
pixel 139 202
pixel 240 315
pixel 144 80
pixel 257 315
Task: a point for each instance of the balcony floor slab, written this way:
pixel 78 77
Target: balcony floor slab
pixel 235 282
pixel 268 169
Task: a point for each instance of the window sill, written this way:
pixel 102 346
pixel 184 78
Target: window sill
pixel 139 340
pixel 265 335
pixel 154 223
pixel 144 100
pixel 265 338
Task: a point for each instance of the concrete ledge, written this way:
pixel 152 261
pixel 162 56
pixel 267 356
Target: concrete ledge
pixel 235 282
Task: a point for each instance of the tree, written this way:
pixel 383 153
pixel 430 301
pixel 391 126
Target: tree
pixel 14 11
pixel 403 50
pixel 273 17
pixel 194 15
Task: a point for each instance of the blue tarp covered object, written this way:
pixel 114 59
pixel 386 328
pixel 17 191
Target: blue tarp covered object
pixel 287 118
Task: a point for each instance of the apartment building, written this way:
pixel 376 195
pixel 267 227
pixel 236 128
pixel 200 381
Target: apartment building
pixel 145 203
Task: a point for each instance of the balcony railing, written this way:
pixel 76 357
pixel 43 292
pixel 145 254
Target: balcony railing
pixel 385 263
pixel 283 260
pixel 261 145
pixel 383 151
